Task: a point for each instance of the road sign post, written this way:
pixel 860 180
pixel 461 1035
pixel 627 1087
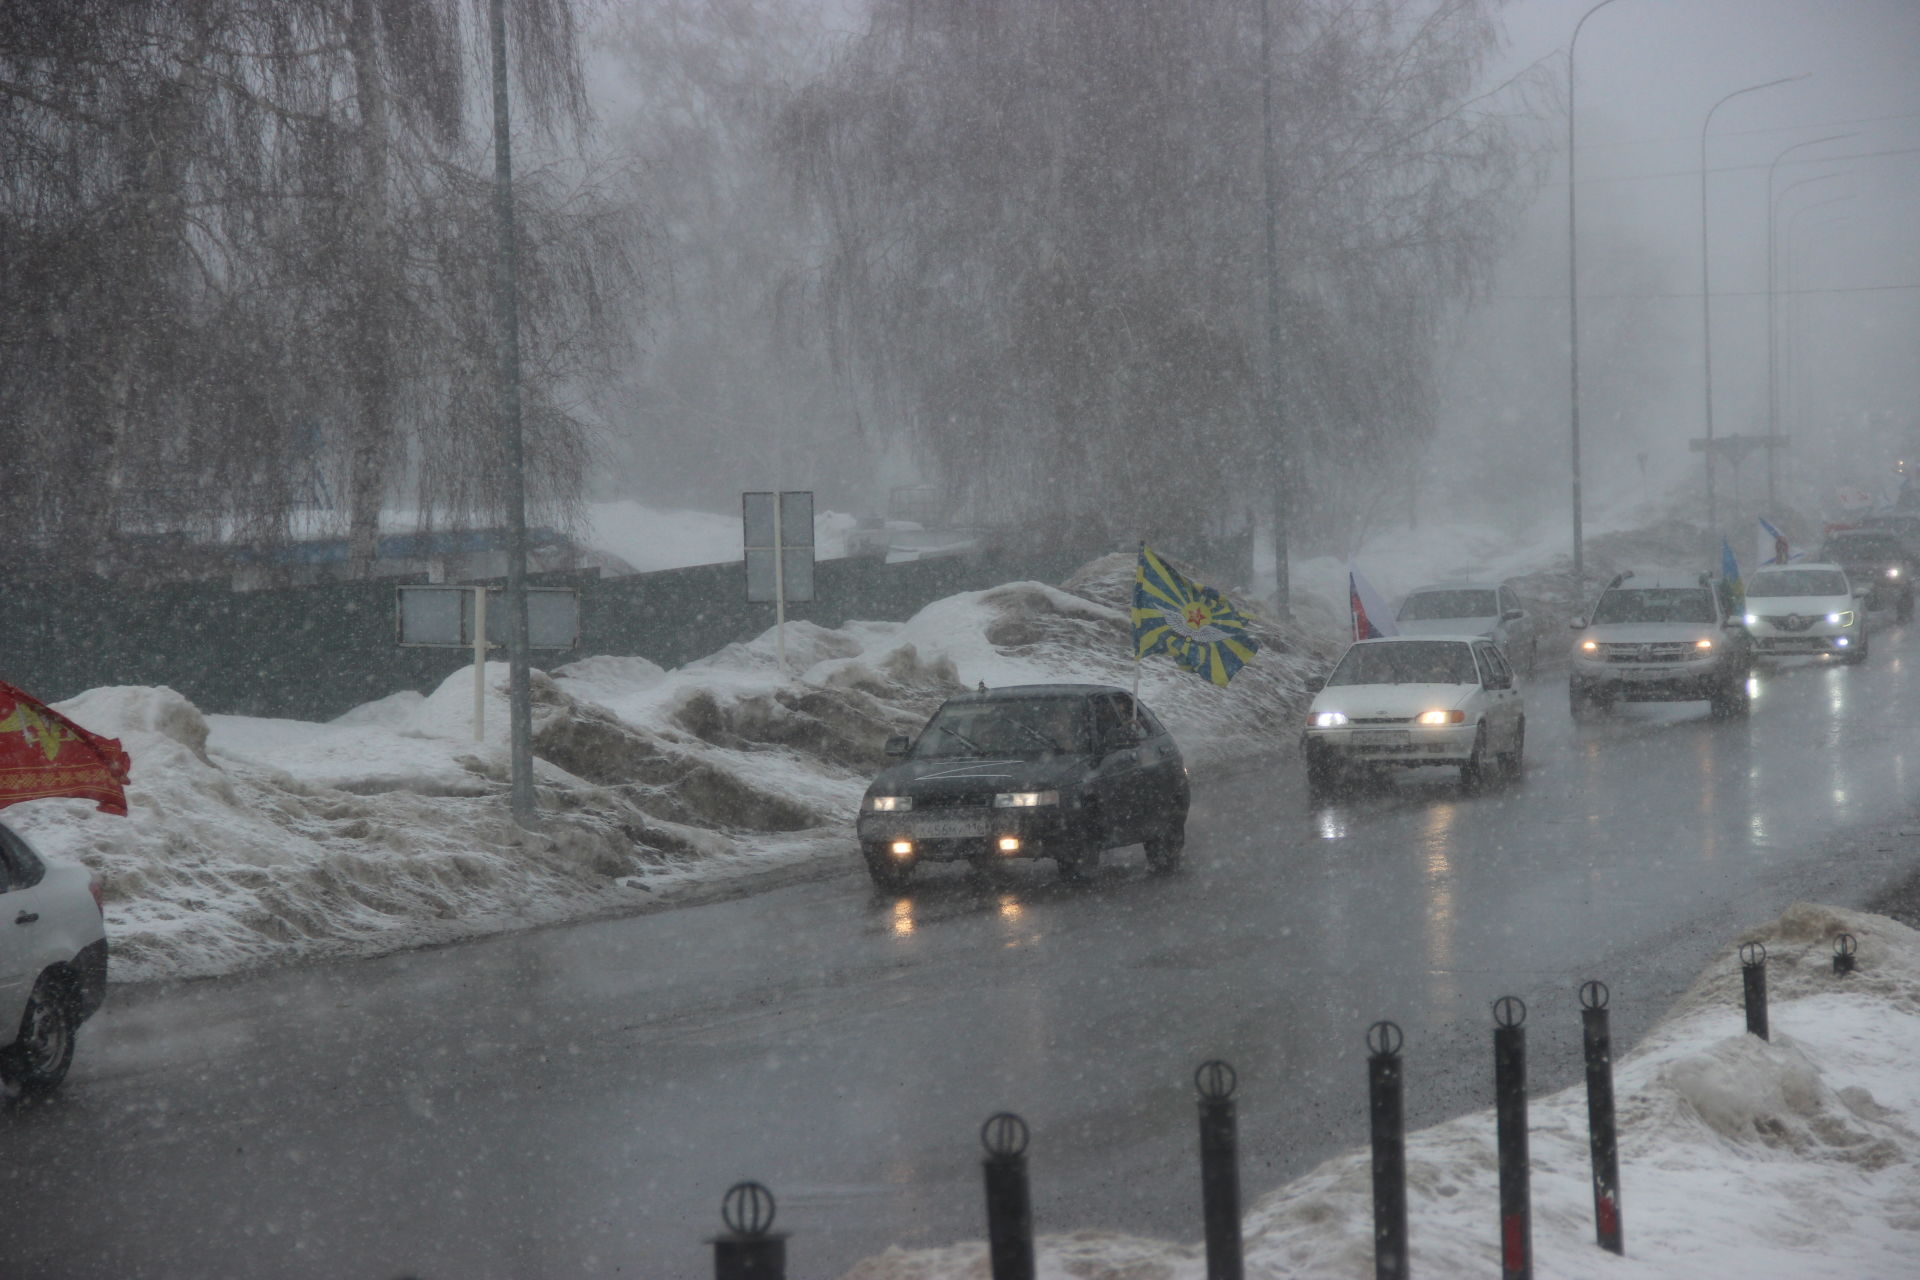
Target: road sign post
pixel 443 617
pixel 777 531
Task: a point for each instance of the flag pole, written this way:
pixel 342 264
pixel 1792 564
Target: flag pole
pixel 1132 642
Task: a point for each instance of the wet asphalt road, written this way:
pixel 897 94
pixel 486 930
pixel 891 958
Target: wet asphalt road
pixel 573 1102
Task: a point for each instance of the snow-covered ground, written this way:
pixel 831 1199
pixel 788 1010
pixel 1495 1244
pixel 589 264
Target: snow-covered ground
pixel 254 842
pixel 1774 1160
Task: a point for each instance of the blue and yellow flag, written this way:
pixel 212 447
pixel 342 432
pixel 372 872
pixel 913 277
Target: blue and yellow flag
pixel 1197 625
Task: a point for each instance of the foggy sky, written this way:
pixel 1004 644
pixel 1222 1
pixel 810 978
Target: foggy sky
pixel 1648 71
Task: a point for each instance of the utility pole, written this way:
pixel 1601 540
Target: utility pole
pixel 1282 477
pixel 506 310
pixel 1573 306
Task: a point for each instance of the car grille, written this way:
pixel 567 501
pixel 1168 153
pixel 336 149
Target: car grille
pixel 1381 720
pixel 955 800
pixel 1668 651
pixel 1790 621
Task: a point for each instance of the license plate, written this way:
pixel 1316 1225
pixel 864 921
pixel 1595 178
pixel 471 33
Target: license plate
pixel 1383 738
pixel 949 828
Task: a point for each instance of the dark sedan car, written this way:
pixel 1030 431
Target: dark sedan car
pixel 1059 771
pixel 1879 561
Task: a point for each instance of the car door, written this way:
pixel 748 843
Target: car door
pixel 1162 771
pixel 1116 770
pixel 1514 630
pixel 21 948
pixel 1502 700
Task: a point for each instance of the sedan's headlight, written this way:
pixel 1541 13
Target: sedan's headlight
pixel 1589 646
pixel 1443 717
pixel 1703 643
pixel 1751 619
pixel 1894 572
pixel 1025 799
pixel 889 804
pixel 1841 619
pixel 1327 719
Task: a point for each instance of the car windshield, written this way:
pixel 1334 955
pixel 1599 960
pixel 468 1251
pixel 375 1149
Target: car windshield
pixel 1798 582
pixel 1407 662
pixel 1006 727
pixel 1863 546
pixel 1655 604
pixel 1424 605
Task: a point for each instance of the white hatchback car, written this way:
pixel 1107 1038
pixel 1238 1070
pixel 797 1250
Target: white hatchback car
pixel 1416 700
pixel 1806 608
pixel 53 963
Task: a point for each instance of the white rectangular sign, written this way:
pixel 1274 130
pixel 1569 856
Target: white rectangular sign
pixel 442 617
pixel 778 529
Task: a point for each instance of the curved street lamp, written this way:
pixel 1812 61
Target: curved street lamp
pixel 1706 289
pixel 1573 303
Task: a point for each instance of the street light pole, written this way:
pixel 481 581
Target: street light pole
pixel 1790 352
pixel 1773 328
pixel 1282 476
pixel 1773 339
pixel 506 304
pixel 1573 305
pixel 1706 288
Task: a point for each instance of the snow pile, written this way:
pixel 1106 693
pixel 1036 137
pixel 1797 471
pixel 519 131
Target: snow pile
pixel 1738 1157
pixel 255 841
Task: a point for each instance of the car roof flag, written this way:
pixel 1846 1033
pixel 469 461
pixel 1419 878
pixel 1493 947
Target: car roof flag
pixel 1196 625
pixel 1372 620
pixel 44 755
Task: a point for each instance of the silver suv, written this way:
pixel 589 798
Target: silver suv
pixel 1661 639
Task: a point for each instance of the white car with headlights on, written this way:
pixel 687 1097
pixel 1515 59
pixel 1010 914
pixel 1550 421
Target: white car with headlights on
pixel 1806 609
pixel 1405 701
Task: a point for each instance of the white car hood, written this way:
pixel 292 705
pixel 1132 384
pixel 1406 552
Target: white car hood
pixel 1447 626
pixel 1805 606
pixel 1392 699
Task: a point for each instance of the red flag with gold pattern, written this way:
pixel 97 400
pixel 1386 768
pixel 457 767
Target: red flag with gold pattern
pixel 43 754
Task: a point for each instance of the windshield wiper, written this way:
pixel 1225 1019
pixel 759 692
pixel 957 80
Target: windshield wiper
pixel 963 739
pixel 1045 738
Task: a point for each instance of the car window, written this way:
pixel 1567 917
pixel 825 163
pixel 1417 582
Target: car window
pixel 1407 662
pixel 1654 604
pixel 1423 605
pixel 20 867
pixel 1005 727
pixel 1113 721
pixel 1797 582
pixel 1495 664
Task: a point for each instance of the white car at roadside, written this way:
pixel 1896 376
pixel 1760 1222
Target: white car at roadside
pixel 1806 608
pixel 53 963
pixel 1404 701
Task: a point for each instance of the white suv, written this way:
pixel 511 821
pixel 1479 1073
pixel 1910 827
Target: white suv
pixel 53 963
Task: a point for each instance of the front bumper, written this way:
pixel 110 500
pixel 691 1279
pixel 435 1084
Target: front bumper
pixel 953 835
pixel 1396 744
pixel 1817 637
pixel 1683 681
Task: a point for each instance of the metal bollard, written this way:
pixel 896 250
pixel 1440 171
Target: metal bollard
pixel 1601 1136
pixel 1510 1110
pixel 1386 1107
pixel 1753 977
pixel 749 1250
pixel 1219 1170
pixel 1843 951
pixel 1009 1207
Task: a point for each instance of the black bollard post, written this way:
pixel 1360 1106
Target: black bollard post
pixel 1009 1207
pixel 1219 1170
pixel 1386 1106
pixel 1510 1110
pixel 1753 977
pixel 1601 1137
pixel 749 1250
pixel 1843 950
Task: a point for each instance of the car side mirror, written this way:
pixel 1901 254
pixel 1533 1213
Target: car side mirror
pixel 1733 622
pixel 1316 683
pixel 1861 593
pixel 1512 615
pixel 1577 624
pixel 898 744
